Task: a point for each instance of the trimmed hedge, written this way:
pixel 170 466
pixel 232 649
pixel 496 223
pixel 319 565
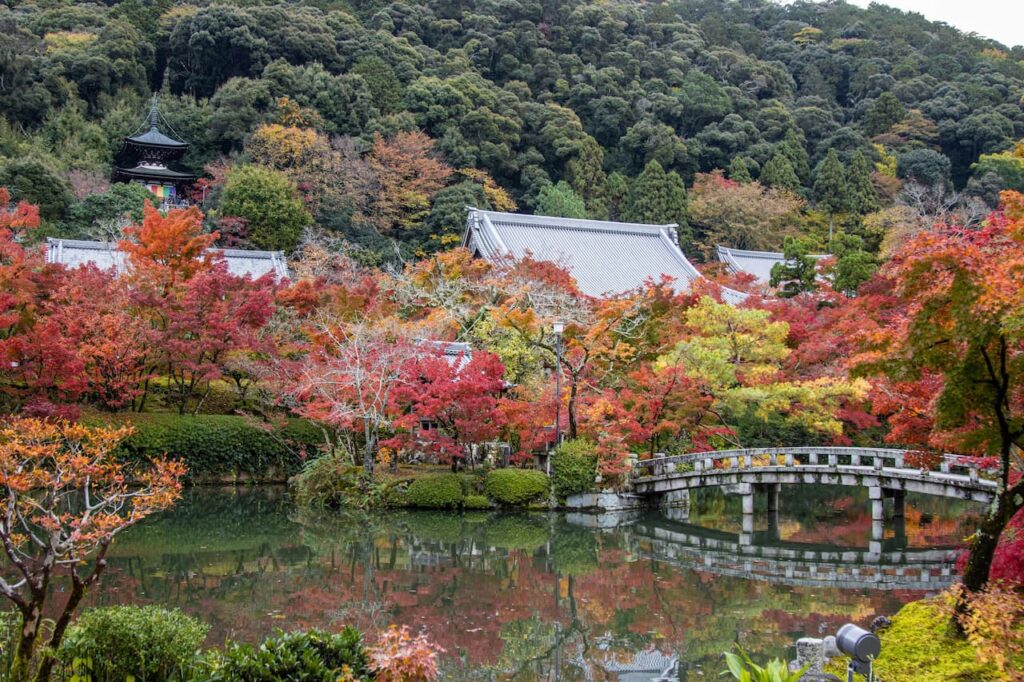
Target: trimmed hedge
pixel 146 643
pixel 221 446
pixel 515 486
pixel 438 491
pixel 573 468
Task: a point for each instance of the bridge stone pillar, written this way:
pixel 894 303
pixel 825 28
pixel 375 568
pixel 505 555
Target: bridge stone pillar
pixel 747 491
pixel 877 503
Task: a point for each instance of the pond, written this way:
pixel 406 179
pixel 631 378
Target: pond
pixel 554 596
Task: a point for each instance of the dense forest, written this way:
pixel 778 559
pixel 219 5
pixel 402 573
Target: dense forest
pixel 372 125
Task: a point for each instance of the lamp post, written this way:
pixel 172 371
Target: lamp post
pixel 557 328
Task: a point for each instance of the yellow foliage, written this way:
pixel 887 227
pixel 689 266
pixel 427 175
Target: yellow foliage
pixel 68 41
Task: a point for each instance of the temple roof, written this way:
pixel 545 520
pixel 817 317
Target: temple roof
pixel 756 263
pixel 153 137
pixel 105 255
pixel 603 257
pixel 143 171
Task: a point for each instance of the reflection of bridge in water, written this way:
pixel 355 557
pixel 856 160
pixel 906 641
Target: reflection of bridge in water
pixel 887 564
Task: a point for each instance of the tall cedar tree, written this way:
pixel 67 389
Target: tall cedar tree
pixel 739 171
pixel 778 172
pixel 861 196
pixel 830 190
pixel 658 197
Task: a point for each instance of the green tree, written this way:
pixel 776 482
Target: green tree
pixel 100 215
pixel 830 190
pixel 34 180
pixel 853 265
pixel 883 113
pixel 778 172
pixel 794 149
pixel 798 272
pixel 560 200
pixel 269 202
pixel 739 171
pixel 658 197
pixel 862 198
pixel 385 88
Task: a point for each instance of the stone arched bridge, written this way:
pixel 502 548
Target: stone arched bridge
pixel 885 472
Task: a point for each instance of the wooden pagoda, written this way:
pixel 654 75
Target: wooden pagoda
pixel 146 157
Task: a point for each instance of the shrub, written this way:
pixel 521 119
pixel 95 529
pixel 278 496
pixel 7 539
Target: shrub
pixel 515 486
pixel 400 657
pixel 329 481
pixel 573 467
pixel 438 491
pixel 314 655
pixel 140 642
pixel 218 446
pixel 476 502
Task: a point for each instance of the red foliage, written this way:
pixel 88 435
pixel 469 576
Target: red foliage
pixel 447 404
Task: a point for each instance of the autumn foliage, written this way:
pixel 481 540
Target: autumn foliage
pixel 65 499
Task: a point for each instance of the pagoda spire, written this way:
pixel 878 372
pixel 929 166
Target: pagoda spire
pixel 153 114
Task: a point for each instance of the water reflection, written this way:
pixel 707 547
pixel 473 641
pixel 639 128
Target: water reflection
pixel 542 596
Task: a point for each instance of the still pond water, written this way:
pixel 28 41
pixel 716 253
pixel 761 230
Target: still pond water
pixel 543 596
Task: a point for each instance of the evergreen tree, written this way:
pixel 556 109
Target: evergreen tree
pixel 830 187
pixel 560 200
pixel 657 197
pixel 883 113
pixel 861 192
pixel 854 265
pixel 585 174
pixel 792 147
pixel 798 272
pixel 617 195
pixel 778 172
pixel 739 171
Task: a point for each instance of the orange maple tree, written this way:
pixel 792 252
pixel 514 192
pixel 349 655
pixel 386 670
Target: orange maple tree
pixel 63 500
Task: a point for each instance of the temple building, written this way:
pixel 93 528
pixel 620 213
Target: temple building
pixel 147 157
pixel 759 264
pixel 105 255
pixel 604 258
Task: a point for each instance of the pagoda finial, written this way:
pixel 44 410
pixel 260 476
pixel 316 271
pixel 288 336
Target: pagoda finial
pixel 153 114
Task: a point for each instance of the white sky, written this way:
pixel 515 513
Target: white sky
pixel 1002 20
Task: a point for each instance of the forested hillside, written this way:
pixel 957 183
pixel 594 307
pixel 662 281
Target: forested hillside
pixel 374 124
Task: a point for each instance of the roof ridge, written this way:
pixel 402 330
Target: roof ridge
pixel 558 222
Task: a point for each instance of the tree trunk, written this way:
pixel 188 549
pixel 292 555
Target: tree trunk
pixel 572 409
pixel 983 548
pixel 370 449
pixel 28 635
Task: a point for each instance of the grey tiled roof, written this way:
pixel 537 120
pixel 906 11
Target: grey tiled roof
pixel 756 263
pixel 603 257
pixel 105 255
pixel 153 136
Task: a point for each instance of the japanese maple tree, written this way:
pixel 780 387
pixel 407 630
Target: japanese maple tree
pixel 961 330
pixel 457 397
pixel 63 499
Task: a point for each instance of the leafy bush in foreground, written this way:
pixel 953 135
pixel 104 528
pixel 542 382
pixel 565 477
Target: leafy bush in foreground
pixel 146 643
pixel 314 656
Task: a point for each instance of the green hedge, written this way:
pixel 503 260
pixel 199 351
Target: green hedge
pixel 145 643
pixel 476 502
pixel 573 468
pixel 515 486
pixel 438 491
pixel 220 446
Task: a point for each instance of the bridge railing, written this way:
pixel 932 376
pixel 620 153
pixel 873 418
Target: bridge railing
pixel 748 458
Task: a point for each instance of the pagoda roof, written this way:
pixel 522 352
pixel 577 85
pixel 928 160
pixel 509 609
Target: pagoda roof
pixel 154 138
pixel 105 256
pixel 158 172
pixel 603 257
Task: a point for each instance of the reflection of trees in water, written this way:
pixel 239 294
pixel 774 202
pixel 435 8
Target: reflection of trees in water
pixel 478 582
